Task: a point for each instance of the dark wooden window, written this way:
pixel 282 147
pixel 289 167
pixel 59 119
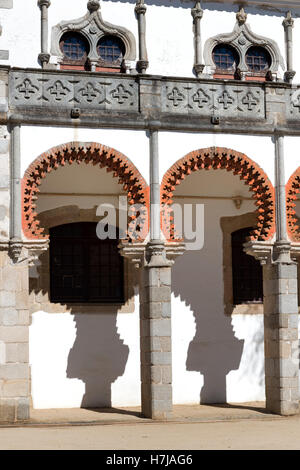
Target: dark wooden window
pixel 225 57
pixel 111 50
pixel 246 271
pixel 258 59
pixel 75 48
pixel 83 268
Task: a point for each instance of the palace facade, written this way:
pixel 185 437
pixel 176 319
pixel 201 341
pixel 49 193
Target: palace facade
pixel 175 125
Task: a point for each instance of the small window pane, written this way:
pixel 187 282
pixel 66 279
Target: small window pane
pixel 225 57
pixel 246 271
pixel 111 49
pixel 258 59
pixel 74 46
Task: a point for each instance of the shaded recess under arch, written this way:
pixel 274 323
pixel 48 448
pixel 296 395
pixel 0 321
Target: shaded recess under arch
pixel 73 152
pixel 292 191
pixel 219 158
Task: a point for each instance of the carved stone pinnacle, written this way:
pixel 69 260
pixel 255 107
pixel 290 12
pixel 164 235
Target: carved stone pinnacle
pixel 42 3
pixel 197 11
pixel 241 16
pixel 140 7
pixel 93 5
pixel 288 21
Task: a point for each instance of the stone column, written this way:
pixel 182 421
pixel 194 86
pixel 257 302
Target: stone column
pixel 288 24
pixel 44 56
pixel 14 347
pixel 197 14
pixel 281 310
pixel 281 338
pixel 155 334
pixel 140 10
pixel 14 314
pixel 155 307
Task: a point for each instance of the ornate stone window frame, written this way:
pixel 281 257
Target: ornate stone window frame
pixel 242 38
pixel 93 28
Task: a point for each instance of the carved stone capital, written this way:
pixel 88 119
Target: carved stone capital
pixel 282 251
pixel 156 256
pixel 199 69
pixel 197 12
pixel 288 21
pixel 241 16
pixel 44 58
pixel 93 5
pixel 15 249
pixel 156 253
pixel 142 66
pixel 262 251
pixel 140 7
pixel 289 75
pixel 44 3
pixel 35 248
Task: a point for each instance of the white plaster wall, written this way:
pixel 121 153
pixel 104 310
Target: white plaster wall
pixel 292 155
pixel 133 144
pixel 174 145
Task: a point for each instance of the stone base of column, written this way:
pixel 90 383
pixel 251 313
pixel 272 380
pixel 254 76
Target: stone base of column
pixel 155 328
pixel 14 337
pixel 14 410
pixel 281 338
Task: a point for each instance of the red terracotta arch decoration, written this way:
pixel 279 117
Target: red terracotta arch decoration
pixel 217 158
pixel 90 153
pixel 292 191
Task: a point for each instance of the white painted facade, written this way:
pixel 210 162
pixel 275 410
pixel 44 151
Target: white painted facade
pixel 93 358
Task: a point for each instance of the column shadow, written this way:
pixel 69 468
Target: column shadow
pixel 214 351
pixel 98 357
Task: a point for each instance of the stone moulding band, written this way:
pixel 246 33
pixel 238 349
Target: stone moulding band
pixel 74 152
pixel 292 190
pixel 217 158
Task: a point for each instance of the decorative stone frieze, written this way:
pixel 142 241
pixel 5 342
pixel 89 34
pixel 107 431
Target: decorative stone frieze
pixel 127 101
pixel 69 91
pixel 213 99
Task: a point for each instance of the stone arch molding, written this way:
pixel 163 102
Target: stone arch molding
pixel 219 158
pixel 89 153
pixel 242 38
pixel 292 192
pixel 93 27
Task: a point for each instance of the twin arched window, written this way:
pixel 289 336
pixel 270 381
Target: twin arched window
pixel 227 59
pixel 76 49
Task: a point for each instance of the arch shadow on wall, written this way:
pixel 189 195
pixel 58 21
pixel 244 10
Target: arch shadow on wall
pixel 98 356
pixel 214 351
